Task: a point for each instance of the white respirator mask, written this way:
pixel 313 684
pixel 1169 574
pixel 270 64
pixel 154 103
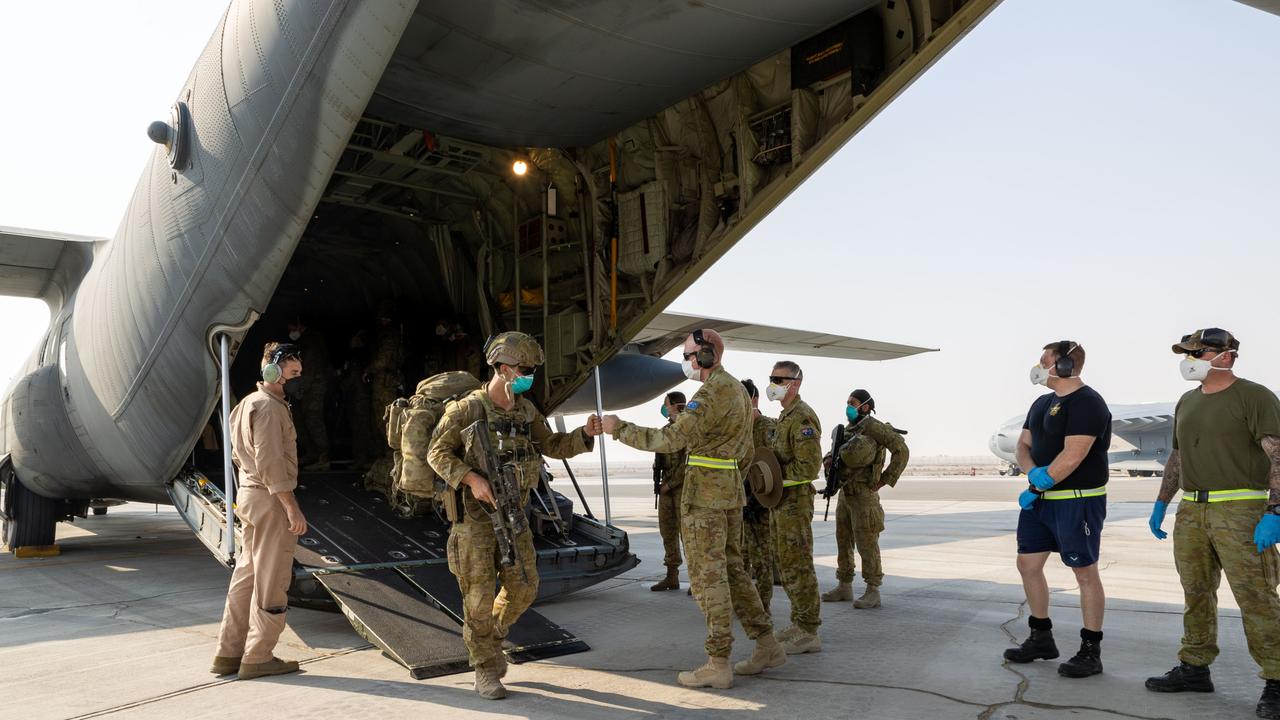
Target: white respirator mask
pixel 691 371
pixel 1196 370
pixel 775 392
pixel 295 335
pixel 1039 375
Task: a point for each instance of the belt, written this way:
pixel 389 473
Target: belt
pixel 1214 496
pixel 794 483
pixel 704 461
pixel 1073 494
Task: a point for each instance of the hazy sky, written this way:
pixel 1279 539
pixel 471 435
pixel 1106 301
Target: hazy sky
pixel 1104 171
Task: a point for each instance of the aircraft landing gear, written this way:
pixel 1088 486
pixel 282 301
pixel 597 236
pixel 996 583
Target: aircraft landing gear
pixel 100 511
pixel 29 519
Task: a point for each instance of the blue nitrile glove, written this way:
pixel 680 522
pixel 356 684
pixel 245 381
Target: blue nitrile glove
pixel 1028 498
pixel 1267 533
pixel 1157 519
pixel 1040 478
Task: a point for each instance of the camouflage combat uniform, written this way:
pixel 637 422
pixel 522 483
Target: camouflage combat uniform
pixel 1217 438
pixel 798 445
pixel 521 435
pixel 671 465
pixel 859 516
pixel 313 433
pixel 715 427
pixel 758 546
pixel 384 381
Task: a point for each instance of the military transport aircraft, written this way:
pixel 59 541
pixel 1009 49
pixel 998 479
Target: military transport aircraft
pixel 1146 428
pixel 562 169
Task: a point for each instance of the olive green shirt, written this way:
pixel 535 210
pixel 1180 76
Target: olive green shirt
pixel 716 423
pixel 798 444
pixel 1218 436
pixel 862 457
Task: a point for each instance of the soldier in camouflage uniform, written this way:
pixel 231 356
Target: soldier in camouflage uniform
pixel 671 466
pixel 1226 461
pixel 313 434
pixel 715 427
pixel 859 516
pixel 520 435
pixel 355 401
pixel 758 545
pixel 384 378
pixel 797 443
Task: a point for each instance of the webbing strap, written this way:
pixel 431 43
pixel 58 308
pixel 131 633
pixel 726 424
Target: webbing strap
pixel 1214 496
pixel 794 483
pixel 1073 494
pixel 713 463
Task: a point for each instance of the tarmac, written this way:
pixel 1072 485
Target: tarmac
pixel 122 625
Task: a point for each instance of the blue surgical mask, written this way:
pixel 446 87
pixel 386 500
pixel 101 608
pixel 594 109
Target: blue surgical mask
pixel 665 412
pixel 522 383
pixel 851 413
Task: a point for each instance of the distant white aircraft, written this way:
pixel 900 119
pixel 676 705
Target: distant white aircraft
pixel 1147 428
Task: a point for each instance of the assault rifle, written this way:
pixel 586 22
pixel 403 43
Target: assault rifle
pixel 507 515
pixel 833 469
pixel 657 479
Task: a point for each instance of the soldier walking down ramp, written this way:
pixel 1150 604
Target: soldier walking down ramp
pixel 264 447
pixel 520 434
pixel 715 428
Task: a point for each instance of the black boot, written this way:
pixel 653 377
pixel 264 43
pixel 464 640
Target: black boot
pixel 1085 663
pixel 1039 646
pixel 1184 678
pixel 1269 703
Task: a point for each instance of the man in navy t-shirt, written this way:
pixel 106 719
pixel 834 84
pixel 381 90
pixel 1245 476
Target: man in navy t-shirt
pixel 1063 450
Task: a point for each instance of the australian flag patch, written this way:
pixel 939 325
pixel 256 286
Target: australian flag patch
pixel 807 432
pixel 692 405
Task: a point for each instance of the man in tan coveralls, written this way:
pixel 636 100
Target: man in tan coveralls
pixel 519 435
pixel 671 465
pixel 797 443
pixel 715 427
pixel 264 447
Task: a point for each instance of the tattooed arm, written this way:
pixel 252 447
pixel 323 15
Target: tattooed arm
pixel 1271 445
pixel 1173 474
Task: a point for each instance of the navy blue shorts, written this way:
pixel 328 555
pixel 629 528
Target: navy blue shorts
pixel 1071 528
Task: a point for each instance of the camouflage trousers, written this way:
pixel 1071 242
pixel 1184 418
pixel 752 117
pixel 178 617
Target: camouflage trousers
pixel 473 560
pixel 793 534
pixel 859 522
pixel 313 433
pixel 1208 539
pixel 758 549
pixel 669 526
pixel 720 583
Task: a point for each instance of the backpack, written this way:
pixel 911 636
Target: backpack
pixel 410 422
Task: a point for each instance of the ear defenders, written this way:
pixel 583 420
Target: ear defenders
pixel 1064 365
pixel 706 357
pixel 271 372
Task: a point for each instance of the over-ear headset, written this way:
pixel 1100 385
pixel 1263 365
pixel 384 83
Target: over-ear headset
pixel 1064 365
pixel 706 357
pixel 271 372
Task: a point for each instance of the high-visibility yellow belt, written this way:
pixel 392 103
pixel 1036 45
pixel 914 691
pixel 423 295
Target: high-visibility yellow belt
pixel 1073 494
pixel 1214 496
pixel 794 483
pixel 713 463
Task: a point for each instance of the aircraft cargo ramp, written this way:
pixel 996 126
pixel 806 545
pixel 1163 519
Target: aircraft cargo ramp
pixel 389 575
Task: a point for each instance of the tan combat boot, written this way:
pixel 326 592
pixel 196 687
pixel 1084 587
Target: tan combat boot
pixel 225 665
pixel 768 654
pixel 274 666
pixel 786 633
pixel 841 592
pixel 869 599
pixel 488 685
pixel 715 674
pixel 802 642
pixel 670 582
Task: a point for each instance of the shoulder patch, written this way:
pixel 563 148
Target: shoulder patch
pixel 807 431
pixel 692 405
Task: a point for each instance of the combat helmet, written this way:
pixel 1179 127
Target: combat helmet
pixel 513 348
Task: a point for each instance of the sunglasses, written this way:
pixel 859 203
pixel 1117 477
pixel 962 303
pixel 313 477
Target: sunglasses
pixel 1198 353
pixel 524 369
pixel 779 379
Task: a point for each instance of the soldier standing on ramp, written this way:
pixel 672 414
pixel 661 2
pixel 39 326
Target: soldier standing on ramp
pixel 859 516
pixel 264 447
pixel 472 548
pixel 715 427
pixel 797 443
pixel 671 466
pixel 1226 460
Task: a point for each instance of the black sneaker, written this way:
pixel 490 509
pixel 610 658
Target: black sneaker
pixel 1039 646
pixel 1085 663
pixel 1269 703
pixel 1184 678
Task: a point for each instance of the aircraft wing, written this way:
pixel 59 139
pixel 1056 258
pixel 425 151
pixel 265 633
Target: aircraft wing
pixel 1128 421
pixel 668 330
pixel 29 258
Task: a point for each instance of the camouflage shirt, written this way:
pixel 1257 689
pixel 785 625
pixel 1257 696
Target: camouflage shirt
pixel 520 435
pixel 798 444
pixel 862 458
pixel 672 467
pixel 716 423
pixel 763 431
